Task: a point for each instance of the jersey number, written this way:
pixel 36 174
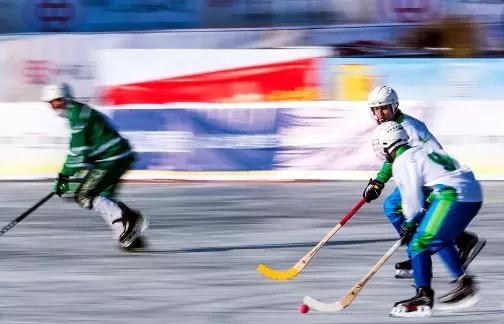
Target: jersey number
pixel 447 162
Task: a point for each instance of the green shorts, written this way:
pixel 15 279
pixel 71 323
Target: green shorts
pixel 103 180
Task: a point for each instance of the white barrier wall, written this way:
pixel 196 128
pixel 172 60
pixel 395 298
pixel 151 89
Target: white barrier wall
pixel 33 141
pixel 265 141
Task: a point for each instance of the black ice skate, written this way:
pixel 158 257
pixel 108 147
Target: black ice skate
pixel 139 244
pixel 418 306
pixel 469 246
pixel 464 295
pixel 134 224
pixel 404 270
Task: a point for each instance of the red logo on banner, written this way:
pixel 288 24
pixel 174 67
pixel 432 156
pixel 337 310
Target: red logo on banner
pixel 36 71
pixel 410 10
pixel 55 15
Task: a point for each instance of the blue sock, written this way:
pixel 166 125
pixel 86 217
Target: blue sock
pixel 451 259
pixel 422 269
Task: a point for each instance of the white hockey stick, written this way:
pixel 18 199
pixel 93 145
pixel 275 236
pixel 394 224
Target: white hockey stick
pixel 348 298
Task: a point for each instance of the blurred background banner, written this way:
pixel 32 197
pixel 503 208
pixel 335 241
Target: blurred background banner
pixel 38 60
pixel 247 13
pixel 273 90
pixel 410 11
pixel 305 140
pixel 201 140
pixel 426 79
pixel 233 75
pixel 292 140
pixel 30 16
pixel 34 16
pixel 34 61
pixel 470 130
pixel 486 11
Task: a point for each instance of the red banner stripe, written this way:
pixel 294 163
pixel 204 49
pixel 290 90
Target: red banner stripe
pixel 218 86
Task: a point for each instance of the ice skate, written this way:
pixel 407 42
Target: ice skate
pixel 134 225
pixel 464 295
pixel 469 246
pixel 418 306
pixel 139 244
pixel 403 270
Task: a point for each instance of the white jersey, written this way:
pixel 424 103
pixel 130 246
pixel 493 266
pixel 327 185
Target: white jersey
pixel 423 166
pixel 418 133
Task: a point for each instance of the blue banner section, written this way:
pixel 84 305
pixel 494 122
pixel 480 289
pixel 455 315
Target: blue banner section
pixel 201 140
pixel 422 79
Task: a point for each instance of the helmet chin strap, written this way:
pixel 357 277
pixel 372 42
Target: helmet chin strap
pixel 388 155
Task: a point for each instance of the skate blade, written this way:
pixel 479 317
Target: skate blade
pixel 401 311
pixel 403 274
pixel 477 249
pixel 138 245
pixel 140 227
pixel 463 304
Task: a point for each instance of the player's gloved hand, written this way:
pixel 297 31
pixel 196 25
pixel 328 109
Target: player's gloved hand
pixel 61 184
pixel 408 229
pixel 373 190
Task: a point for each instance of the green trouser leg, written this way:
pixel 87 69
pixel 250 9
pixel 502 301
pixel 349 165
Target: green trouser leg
pixel 102 181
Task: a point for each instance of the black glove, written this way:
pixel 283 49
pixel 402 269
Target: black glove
pixel 408 229
pixel 61 184
pixel 373 190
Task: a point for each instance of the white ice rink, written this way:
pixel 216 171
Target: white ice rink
pixel 60 264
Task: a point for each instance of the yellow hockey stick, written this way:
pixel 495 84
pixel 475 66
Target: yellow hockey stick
pixel 301 264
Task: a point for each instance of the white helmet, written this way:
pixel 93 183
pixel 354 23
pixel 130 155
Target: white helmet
pixel 382 96
pixel 389 136
pixel 55 91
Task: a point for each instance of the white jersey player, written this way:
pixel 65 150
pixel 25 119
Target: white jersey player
pixel 455 198
pixel 383 103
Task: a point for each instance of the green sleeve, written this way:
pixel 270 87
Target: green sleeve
pixel 79 146
pixel 385 172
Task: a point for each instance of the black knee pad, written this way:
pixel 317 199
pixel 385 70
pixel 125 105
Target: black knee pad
pixel 84 200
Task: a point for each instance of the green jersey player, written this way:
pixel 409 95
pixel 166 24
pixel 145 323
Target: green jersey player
pixel 98 149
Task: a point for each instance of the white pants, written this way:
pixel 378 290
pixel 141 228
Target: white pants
pixel 110 211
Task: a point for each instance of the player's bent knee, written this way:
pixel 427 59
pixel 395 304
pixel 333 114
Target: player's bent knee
pixel 418 244
pixel 85 200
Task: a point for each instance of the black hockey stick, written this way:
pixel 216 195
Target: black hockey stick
pixel 7 227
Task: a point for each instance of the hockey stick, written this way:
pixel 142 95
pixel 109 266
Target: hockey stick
pixel 303 262
pixel 349 297
pixel 7 227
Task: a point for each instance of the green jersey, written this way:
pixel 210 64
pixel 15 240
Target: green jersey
pixel 94 142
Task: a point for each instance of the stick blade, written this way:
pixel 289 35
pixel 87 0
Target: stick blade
pixel 275 274
pixel 322 307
